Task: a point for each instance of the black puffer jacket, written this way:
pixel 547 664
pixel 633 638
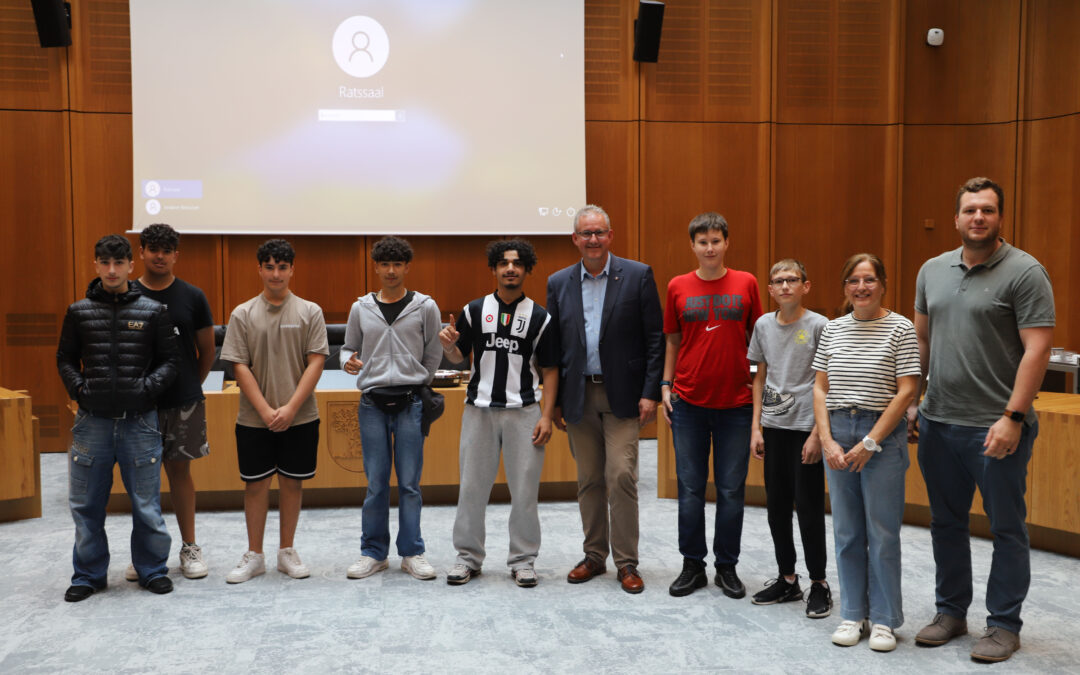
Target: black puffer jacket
pixel 117 352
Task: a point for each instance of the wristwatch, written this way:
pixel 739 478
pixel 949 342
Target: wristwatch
pixel 1015 415
pixel 870 444
pixel 665 383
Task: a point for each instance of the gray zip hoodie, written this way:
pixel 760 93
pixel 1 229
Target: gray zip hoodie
pixel 405 353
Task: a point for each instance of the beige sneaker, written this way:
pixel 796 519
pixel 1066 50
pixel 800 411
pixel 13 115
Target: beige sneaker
pixel 251 565
pixel 288 561
pixel 418 566
pixel 130 574
pixel 882 638
pixel 849 633
pixel 996 644
pixel 365 566
pixel 942 629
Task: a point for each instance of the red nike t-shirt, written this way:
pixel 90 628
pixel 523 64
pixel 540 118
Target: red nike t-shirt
pixel 716 319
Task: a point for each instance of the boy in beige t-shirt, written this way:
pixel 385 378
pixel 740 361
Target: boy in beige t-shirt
pixel 277 343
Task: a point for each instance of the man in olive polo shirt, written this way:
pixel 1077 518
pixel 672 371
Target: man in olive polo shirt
pixel 984 316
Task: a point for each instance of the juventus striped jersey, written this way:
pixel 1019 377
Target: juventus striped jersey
pixel 509 343
pixel 864 358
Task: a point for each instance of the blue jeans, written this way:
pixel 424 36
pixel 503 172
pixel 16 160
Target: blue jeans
pixel 391 440
pixel 867 510
pixel 135 444
pixel 692 429
pixel 952 462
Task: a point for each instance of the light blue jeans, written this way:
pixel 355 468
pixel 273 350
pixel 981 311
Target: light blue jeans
pixel 135 444
pixel 867 511
pixel 391 441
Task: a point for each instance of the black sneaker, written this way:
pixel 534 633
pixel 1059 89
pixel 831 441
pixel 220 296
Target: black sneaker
pixel 159 585
pixel 729 582
pixel 819 604
pixel 690 579
pixel 78 593
pixel 778 590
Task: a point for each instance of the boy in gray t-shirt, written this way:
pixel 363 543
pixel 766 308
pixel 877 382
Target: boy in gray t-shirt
pixel 782 433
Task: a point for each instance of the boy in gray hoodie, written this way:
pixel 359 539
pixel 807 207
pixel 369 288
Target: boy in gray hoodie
pixel 392 343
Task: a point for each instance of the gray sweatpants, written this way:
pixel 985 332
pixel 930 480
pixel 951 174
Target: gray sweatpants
pixel 484 432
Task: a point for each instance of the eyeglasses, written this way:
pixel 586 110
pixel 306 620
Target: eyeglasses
pixel 589 234
pixel 870 282
pixel 790 281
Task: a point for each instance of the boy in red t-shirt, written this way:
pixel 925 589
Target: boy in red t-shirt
pixel 708 319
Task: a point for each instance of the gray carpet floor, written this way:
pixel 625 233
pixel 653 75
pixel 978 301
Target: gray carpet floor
pixel 392 622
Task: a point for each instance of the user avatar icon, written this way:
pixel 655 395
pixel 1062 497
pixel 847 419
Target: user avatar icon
pixel 361 46
pixel 153 207
pixel 152 188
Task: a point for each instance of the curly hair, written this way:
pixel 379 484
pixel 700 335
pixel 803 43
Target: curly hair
pixel 525 251
pixel 278 249
pixel 391 249
pixel 159 236
pixel 113 247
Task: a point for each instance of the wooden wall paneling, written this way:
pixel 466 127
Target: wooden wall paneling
pixel 1046 222
pixel 31 78
pixel 688 168
pixel 101 186
pixel 972 77
pixel 611 180
pixel 837 62
pixel 100 56
pixel 835 190
pixel 611 80
pixel 714 63
pixel 329 271
pixel 937 160
pixel 35 238
pixel 1052 59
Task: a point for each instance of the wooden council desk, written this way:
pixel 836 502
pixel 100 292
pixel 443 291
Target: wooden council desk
pixel 20 459
pixel 1053 493
pixel 339 479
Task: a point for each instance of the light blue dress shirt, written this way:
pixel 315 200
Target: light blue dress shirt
pixel 593 290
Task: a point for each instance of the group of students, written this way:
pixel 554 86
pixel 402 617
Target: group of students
pixel 829 398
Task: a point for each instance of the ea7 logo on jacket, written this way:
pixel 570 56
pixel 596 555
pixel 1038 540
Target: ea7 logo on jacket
pixel 136 325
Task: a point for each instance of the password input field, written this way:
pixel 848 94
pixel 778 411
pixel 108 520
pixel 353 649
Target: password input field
pixel 354 115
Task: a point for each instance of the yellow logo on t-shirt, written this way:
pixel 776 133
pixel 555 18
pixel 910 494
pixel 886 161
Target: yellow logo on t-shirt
pixel 801 336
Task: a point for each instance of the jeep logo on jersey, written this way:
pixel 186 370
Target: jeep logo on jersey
pixel 509 344
pixel 136 325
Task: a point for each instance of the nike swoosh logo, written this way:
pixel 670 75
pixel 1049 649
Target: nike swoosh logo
pixel 709 328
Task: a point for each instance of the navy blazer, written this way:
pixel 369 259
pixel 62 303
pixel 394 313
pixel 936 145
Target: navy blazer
pixel 631 337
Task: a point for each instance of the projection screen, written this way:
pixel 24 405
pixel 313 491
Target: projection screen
pixel 365 117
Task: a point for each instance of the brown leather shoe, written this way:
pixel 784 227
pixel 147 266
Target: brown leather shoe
pixel 630 579
pixel 585 570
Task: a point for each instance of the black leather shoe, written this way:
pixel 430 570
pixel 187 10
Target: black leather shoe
pixel 690 579
pixel 160 585
pixel 729 582
pixel 77 593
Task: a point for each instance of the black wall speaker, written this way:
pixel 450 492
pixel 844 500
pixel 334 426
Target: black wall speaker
pixel 53 18
pixel 647 30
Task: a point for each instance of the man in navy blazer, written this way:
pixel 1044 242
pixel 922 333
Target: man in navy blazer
pixel 610 328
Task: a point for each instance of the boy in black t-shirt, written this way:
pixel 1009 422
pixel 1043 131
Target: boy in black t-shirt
pixel 181 409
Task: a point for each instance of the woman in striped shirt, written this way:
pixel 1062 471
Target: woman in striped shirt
pixel 867 366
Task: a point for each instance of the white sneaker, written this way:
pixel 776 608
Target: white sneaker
pixel 191 562
pixel 251 565
pixel 882 638
pixel 366 566
pixel 130 574
pixel 850 632
pixel 288 561
pixel 418 566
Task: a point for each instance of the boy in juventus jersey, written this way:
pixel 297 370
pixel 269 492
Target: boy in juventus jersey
pixel 511 342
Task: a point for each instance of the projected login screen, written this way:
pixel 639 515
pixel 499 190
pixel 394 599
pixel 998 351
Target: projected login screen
pixel 415 116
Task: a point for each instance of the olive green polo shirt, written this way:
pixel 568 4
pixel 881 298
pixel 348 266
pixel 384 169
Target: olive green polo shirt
pixel 975 316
